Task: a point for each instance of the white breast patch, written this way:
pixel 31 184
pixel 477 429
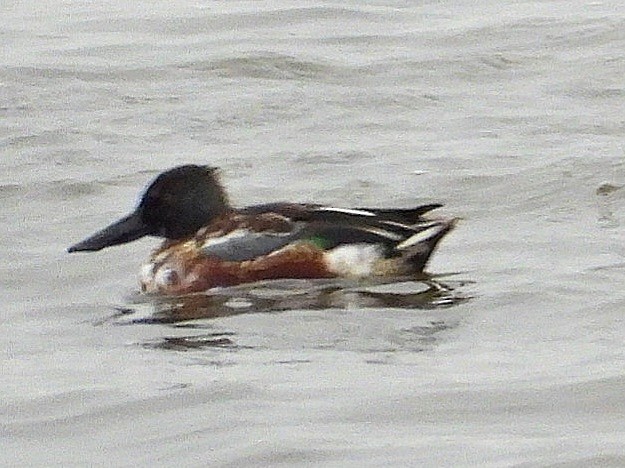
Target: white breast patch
pixel 353 260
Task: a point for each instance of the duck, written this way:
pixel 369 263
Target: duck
pixel 208 243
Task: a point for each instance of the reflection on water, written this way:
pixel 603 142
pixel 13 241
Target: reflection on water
pixel 370 324
pixel 414 339
pixel 284 295
pixel 188 343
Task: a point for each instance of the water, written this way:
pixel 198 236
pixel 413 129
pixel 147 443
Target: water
pixel 510 113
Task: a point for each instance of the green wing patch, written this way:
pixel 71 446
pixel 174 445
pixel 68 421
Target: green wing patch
pixel 320 242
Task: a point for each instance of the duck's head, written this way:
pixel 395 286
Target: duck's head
pixel 178 203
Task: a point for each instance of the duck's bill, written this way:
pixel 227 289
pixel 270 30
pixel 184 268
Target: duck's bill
pixel 125 230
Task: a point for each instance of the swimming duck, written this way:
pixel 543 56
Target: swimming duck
pixel 208 243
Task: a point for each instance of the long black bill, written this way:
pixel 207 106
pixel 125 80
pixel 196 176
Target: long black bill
pixel 125 230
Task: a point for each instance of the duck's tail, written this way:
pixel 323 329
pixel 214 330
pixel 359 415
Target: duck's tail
pixel 417 248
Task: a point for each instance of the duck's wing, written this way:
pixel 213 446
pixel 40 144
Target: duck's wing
pixel 267 228
pixel 254 237
pixel 311 212
pixel 245 243
pixel 401 233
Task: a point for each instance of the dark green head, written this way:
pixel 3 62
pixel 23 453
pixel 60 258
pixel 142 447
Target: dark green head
pixel 178 203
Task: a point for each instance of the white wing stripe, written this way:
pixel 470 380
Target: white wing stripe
pixel 383 233
pixel 419 237
pixel 346 211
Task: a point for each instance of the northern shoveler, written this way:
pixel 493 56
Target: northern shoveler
pixel 208 243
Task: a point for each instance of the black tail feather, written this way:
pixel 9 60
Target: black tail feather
pixel 404 215
pixel 418 249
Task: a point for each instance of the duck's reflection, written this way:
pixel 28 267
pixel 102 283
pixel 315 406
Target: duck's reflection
pixel 276 296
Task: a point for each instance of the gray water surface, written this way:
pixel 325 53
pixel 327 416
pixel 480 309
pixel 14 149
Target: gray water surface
pixel 509 113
